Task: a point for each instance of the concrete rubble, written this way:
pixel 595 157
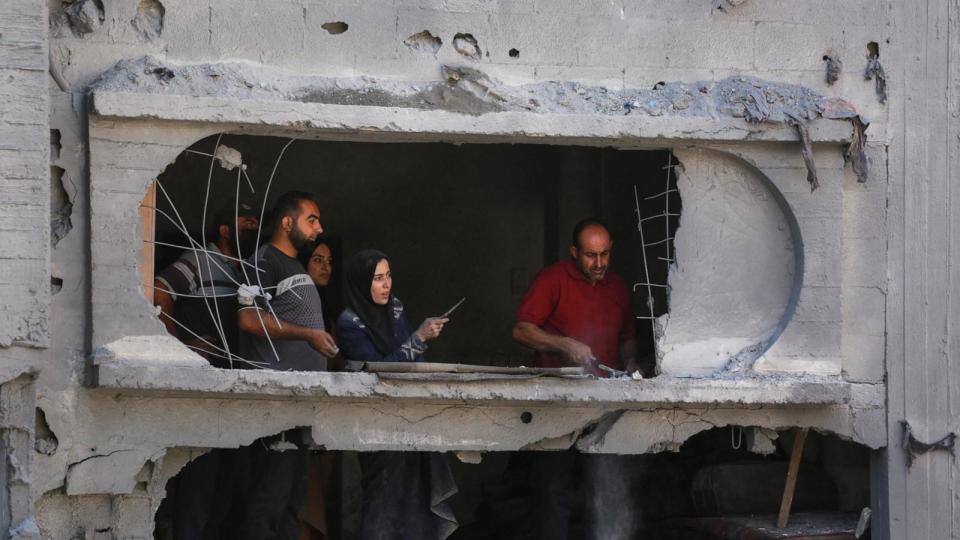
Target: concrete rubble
pixel 99 408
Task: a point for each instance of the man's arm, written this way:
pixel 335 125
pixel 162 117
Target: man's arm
pixel 261 323
pixel 163 298
pixel 536 338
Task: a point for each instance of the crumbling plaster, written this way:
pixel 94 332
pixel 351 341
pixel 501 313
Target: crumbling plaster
pixel 133 136
pixel 769 284
pixel 616 46
pixel 126 460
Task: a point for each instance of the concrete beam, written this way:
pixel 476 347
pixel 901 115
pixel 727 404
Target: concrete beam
pixel 138 378
pixel 367 122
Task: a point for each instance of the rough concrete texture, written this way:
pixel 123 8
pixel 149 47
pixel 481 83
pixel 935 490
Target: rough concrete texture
pixel 17 397
pixel 736 255
pixel 468 90
pixel 383 79
pixel 24 153
pixel 25 265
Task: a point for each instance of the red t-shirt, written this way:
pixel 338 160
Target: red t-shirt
pixel 562 302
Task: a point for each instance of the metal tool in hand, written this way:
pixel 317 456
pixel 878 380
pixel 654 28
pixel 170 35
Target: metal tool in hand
pixel 611 371
pixel 455 306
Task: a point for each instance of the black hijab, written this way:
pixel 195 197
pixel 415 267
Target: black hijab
pixel 378 319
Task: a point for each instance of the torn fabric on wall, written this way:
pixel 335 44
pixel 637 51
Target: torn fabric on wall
pixel 916 448
pixel 875 71
pixel 806 150
pixel 855 154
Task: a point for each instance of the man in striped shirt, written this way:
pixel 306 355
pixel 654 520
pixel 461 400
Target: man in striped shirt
pixel 197 293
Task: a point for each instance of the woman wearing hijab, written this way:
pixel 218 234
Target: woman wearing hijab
pixel 405 494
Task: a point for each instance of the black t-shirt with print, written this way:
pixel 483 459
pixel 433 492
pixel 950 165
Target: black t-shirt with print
pixel 294 299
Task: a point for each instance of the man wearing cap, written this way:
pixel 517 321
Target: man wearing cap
pixel 197 300
pixel 197 293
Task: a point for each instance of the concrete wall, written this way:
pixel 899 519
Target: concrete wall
pixel 922 302
pixel 25 186
pixel 733 283
pixel 857 304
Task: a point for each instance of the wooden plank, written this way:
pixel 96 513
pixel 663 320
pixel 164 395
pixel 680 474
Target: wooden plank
pixel 800 437
pixel 148 224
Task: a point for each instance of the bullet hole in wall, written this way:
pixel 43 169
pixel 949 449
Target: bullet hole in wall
pixel 61 207
pixel 149 19
pixel 467 46
pixel 874 71
pixel 424 42
pixel 514 53
pixel 833 67
pixel 56 284
pixel 45 440
pixel 82 17
pixel 334 28
pixel 54 144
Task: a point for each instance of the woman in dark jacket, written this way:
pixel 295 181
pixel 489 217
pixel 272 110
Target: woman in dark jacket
pixel 405 494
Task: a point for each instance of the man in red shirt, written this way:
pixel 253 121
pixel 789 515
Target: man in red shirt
pixel 577 312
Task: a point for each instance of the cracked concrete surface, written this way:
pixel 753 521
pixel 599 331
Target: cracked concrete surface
pixel 537 82
pixel 468 90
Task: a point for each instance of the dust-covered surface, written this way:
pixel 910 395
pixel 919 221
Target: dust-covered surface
pixel 470 91
pixel 137 376
pixel 467 90
pixel 730 221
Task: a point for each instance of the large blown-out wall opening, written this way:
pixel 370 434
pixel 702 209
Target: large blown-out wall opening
pixel 723 483
pixel 475 221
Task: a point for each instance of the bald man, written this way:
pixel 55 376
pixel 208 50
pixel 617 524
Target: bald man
pixel 577 313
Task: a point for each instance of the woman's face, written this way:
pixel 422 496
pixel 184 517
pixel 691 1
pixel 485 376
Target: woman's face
pixel 320 265
pixel 382 283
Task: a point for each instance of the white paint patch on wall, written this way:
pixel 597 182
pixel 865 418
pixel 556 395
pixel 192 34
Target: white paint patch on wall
pixel 735 265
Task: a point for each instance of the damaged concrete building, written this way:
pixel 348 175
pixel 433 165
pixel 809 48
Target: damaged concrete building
pixel 778 174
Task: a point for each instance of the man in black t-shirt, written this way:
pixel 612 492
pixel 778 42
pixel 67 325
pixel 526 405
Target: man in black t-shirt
pixel 281 325
pixel 285 329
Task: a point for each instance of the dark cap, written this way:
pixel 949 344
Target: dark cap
pixel 228 212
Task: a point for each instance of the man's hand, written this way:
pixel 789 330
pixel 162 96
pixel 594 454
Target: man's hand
pixel 431 328
pixel 323 343
pixel 163 298
pixel 579 353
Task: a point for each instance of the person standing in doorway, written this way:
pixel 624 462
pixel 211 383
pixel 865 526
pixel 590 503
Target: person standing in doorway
pixel 196 292
pixel 281 322
pixel 405 494
pixel 196 297
pixel 577 313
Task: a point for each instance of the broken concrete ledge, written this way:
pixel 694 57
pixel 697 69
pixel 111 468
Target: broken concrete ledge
pixel 138 378
pixel 368 122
